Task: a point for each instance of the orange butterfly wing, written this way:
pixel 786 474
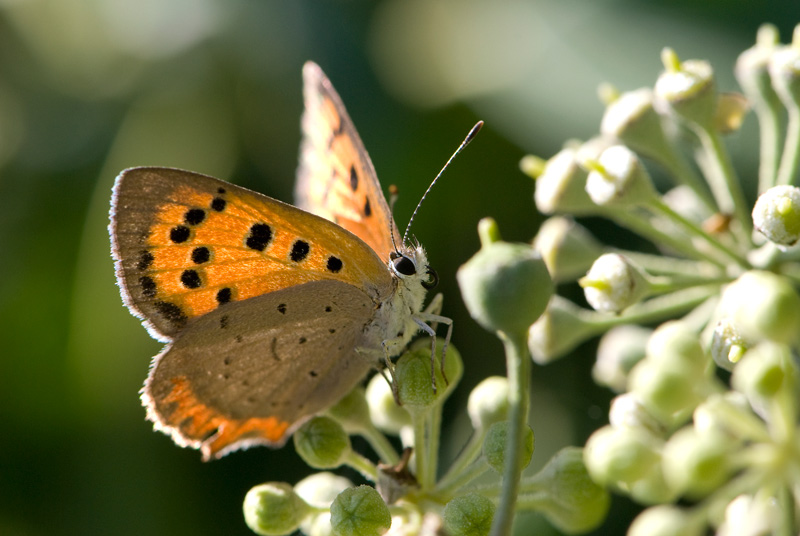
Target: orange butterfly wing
pixel 185 244
pixel 336 178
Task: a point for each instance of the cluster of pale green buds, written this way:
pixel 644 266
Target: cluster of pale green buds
pixel 708 403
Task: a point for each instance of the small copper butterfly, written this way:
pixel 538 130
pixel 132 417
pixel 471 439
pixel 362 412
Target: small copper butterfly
pixel 272 312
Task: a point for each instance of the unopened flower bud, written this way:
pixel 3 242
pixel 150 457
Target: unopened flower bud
pixel 384 412
pixel 686 90
pixel 628 412
pixel 413 375
pixel 488 402
pixel 620 348
pixel 784 71
pixel 632 120
pixel 752 66
pixel 505 286
pixel 696 464
pixel 763 305
pixel 560 187
pixel 360 511
pixel 468 515
pixel 727 344
pixel 274 509
pixel 751 515
pixel 494 446
pixel 613 284
pixel 618 178
pixel 620 456
pixel 666 520
pixel 352 411
pixel 322 443
pixel 776 215
pixel 567 248
pixel 562 327
pixel 675 345
pixel 764 371
pixel 666 392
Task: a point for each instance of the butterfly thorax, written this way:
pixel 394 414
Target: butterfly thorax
pixel 394 319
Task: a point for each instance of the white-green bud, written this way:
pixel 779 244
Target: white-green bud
pixel 627 411
pixel 567 248
pixel 360 511
pixel 696 464
pixel 352 411
pixel 620 456
pixel 667 393
pixel 784 71
pixel 763 372
pixel 618 178
pixel 319 490
pixel 620 348
pixel 565 494
pixel 468 515
pixel 494 446
pixel 727 344
pixel 651 488
pixel 752 65
pixel 488 402
pixel 632 120
pixel 763 305
pixel 562 327
pixel 413 374
pixel 322 443
pixel 666 520
pixel 676 346
pixel 384 412
pixel 560 188
pixel 686 90
pixel 776 215
pixel 751 515
pixel 274 509
pixel 613 284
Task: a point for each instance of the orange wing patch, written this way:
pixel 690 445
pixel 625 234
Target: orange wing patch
pixel 336 179
pixel 197 423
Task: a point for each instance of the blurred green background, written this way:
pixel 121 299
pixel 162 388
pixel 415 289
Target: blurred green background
pixel 90 87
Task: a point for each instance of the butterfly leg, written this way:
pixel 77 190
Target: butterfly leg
pixel 427 321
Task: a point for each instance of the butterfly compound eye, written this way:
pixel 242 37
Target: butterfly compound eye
pixel 404 266
pixel 433 281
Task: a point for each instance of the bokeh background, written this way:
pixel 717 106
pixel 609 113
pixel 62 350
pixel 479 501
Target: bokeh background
pixel 90 87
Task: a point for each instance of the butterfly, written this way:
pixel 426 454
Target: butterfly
pixel 271 312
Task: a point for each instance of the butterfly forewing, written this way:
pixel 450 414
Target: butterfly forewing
pixel 186 244
pixel 336 179
pixel 249 372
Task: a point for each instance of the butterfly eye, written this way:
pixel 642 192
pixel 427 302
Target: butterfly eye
pixel 433 281
pixel 404 266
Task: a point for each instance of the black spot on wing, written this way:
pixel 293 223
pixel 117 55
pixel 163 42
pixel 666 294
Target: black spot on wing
pixel 194 216
pixel 300 250
pixel 179 234
pixel 259 237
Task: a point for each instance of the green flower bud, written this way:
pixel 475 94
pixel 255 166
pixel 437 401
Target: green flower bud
pixel 686 90
pixel 784 71
pixel 696 464
pixel 729 414
pixel 675 345
pixel 352 411
pixel 322 443
pixel 613 284
pixel 274 509
pixel 627 411
pixel 504 286
pixel 384 412
pixel 762 305
pixel 620 348
pixel 488 402
pixel 666 520
pixel 562 327
pixel 468 515
pixel 560 187
pixel 494 446
pixel 619 179
pixel 565 494
pixel 747 514
pixel 319 490
pixel 360 511
pixel 776 215
pixel 632 120
pixel 763 371
pixel 727 344
pixel 752 66
pixel 668 394
pixel 651 488
pixel 413 375
pixel 620 456
pixel 567 248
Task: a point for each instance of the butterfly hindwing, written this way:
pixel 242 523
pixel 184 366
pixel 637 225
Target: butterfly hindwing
pixel 336 179
pixel 185 244
pixel 250 372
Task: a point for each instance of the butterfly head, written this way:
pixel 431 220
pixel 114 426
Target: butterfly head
pixel 410 264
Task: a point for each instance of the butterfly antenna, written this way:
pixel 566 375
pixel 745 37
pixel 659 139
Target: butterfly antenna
pixel 464 143
pixel 393 194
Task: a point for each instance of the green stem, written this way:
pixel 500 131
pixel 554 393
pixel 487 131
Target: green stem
pixel 421 453
pixel 685 175
pixel 381 445
pixel 434 426
pixel 464 460
pixel 787 172
pixel 665 306
pixel 518 363
pixel 666 265
pixel 769 126
pixel 693 229
pixel 457 481
pixel 362 465
pixel 724 183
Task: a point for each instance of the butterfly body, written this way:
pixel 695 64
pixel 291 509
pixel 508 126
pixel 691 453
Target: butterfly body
pixel 272 312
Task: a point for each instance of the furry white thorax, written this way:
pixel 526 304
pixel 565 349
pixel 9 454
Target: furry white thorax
pixel 394 324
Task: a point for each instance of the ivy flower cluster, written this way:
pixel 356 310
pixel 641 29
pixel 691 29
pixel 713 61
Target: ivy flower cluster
pixel 699 340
